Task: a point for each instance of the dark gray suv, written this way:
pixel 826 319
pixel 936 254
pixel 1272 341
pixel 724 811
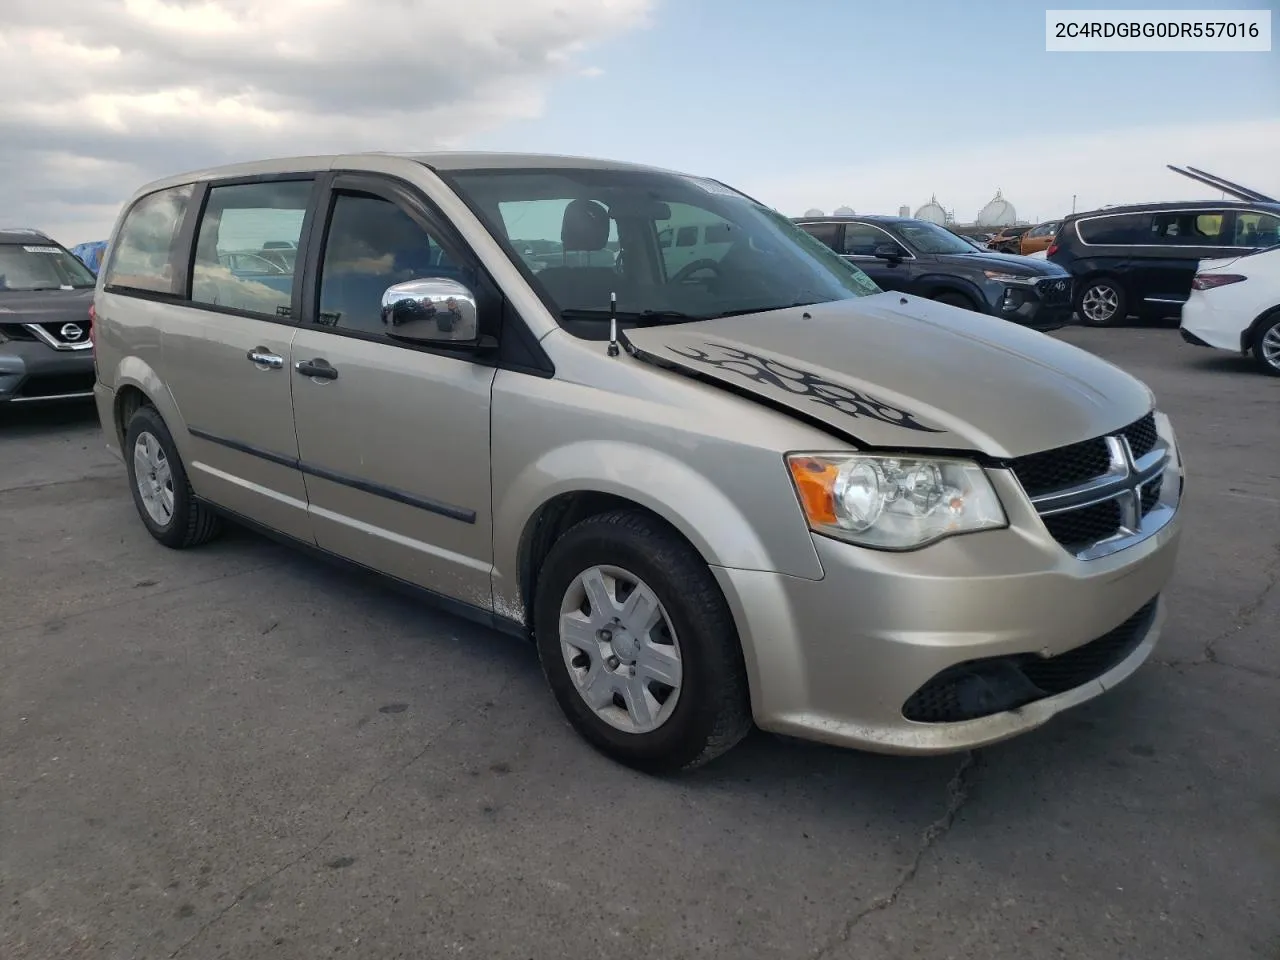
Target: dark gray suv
pixel 46 303
pixel 924 259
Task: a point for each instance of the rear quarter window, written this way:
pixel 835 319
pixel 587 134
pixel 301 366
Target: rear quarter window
pixel 1125 229
pixel 142 258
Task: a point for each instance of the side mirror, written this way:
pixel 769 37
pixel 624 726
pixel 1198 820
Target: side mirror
pixel 433 310
pixel 888 251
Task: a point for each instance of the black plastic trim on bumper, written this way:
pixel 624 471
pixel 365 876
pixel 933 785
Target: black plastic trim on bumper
pixel 1191 338
pixel 982 688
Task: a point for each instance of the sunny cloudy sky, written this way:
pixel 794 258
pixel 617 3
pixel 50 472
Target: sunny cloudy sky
pixel 803 103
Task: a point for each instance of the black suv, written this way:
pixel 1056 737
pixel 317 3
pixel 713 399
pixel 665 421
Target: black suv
pixel 1141 259
pixel 46 296
pixel 922 258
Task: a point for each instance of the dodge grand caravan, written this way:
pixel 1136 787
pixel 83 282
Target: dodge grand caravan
pixel 748 487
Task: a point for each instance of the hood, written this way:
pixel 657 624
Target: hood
pixel 899 372
pixel 1013 262
pixel 45 306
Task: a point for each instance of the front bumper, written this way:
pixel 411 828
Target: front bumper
pixel 837 659
pixel 1030 309
pixel 32 372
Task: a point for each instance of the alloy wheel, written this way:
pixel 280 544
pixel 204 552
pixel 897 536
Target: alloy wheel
pixel 1271 347
pixel 1100 303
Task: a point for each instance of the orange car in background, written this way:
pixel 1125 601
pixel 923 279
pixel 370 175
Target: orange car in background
pixel 1006 239
pixel 1040 237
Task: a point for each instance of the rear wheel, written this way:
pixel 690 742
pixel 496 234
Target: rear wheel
pixel 161 491
pixel 638 644
pixel 1101 302
pixel 1266 345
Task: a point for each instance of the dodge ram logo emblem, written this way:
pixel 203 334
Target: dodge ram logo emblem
pixel 71 331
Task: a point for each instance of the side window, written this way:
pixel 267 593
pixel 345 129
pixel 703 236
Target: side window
pixel 828 233
pixel 1187 228
pixel 1256 230
pixel 246 246
pixel 1119 230
pixel 862 239
pixel 686 237
pixel 142 256
pixel 372 244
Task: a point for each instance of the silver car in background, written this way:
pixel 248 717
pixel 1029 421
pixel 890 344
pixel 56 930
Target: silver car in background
pixel 738 485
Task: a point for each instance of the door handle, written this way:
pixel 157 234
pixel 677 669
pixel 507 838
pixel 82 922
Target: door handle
pixel 318 367
pixel 263 357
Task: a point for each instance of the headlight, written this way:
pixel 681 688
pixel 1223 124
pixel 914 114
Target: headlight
pixel 893 503
pixel 1001 277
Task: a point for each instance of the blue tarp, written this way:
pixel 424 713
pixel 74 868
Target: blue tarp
pixel 90 254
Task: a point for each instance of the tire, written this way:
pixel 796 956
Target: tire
pixel 189 522
pixel 952 299
pixel 712 706
pixel 1094 295
pixel 1266 345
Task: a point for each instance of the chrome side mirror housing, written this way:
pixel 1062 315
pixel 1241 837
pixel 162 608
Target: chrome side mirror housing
pixel 431 310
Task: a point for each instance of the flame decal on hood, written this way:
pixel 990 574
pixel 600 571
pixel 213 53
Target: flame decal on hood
pixel 764 370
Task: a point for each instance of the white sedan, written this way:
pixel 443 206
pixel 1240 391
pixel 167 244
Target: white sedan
pixel 1235 305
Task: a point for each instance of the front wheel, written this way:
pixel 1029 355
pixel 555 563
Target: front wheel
pixel 953 299
pixel 638 644
pixel 1102 303
pixel 1266 346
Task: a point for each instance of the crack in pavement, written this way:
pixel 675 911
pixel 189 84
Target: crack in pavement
pixel 1242 618
pixel 338 824
pixel 46 484
pixel 100 608
pixel 958 788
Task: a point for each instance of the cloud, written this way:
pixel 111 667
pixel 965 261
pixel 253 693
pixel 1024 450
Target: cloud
pixel 591 72
pixel 1038 172
pixel 145 88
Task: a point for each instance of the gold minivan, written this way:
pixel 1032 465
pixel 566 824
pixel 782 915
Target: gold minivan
pixel 741 485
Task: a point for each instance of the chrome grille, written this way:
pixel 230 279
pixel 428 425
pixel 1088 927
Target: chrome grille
pixel 1104 494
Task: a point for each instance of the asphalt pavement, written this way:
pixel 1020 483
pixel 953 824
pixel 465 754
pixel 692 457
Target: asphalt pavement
pixel 241 752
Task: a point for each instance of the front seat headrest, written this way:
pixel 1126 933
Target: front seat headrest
pixel 585 226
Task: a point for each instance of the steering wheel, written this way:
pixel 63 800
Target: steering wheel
pixel 689 269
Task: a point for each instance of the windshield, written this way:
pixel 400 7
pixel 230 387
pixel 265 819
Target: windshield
pixel 34 266
pixel 670 247
pixel 930 238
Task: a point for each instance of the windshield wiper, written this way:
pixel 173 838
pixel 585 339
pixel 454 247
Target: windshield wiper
pixel 638 317
pixel 780 306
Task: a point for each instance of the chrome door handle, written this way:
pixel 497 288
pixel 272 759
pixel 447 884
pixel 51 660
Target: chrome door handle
pixel 263 357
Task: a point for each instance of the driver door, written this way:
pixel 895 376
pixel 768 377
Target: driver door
pixel 393 436
pixel 861 240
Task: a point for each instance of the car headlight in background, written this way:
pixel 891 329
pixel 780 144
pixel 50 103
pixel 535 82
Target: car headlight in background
pixel 893 503
pixel 1001 277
